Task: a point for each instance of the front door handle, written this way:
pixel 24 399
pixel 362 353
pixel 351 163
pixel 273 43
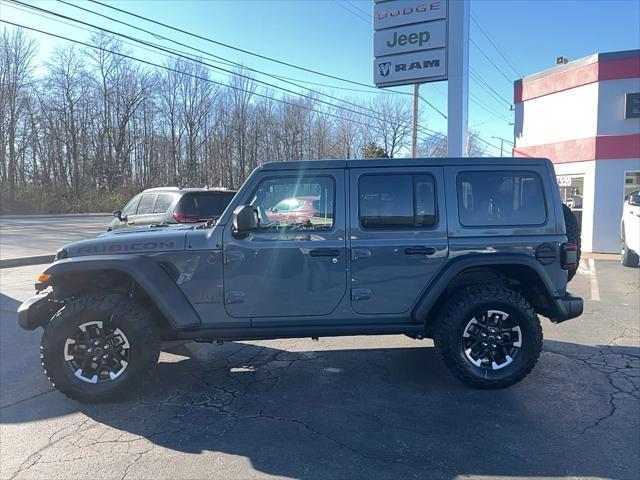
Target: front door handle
pixel 324 252
pixel 419 251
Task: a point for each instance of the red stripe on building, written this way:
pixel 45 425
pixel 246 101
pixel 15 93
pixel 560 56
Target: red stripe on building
pixel 594 148
pixel 618 69
pixel 577 77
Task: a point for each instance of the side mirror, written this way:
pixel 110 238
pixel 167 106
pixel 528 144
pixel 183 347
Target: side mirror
pixel 244 219
pixel 119 216
pixel 634 200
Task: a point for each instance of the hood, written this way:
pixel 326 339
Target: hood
pixel 131 240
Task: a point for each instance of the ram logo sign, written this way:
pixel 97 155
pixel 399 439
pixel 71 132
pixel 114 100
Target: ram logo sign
pixel 404 68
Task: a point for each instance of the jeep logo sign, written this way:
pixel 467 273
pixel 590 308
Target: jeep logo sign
pixel 410 41
pixel 410 66
pixel 423 36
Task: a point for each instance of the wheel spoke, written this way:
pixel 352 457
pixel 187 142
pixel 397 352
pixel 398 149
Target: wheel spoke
pixel 97 340
pixel 492 339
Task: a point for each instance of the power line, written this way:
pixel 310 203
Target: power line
pixel 488 88
pixel 229 62
pixel 421 129
pixel 181 72
pixel 491 61
pixel 198 77
pixel 498 49
pixel 263 57
pixel 358 112
pixel 349 8
pixel 355 5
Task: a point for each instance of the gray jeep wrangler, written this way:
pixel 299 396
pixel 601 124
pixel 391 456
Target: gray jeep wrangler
pixel 465 251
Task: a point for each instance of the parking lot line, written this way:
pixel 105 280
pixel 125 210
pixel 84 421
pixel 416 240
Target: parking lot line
pixel 595 291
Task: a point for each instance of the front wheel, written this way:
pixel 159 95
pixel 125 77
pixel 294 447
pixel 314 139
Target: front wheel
pixel 99 348
pixel 489 337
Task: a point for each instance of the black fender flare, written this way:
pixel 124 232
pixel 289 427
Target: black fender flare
pixel 457 266
pixel 147 273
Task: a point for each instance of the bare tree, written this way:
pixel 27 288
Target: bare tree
pixel 17 53
pixel 393 122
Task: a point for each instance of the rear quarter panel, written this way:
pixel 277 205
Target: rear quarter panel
pixel 496 240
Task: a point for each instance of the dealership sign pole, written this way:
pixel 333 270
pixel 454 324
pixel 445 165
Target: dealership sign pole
pixel 458 70
pixel 425 41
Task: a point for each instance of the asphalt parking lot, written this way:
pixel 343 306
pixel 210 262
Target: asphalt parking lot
pixel 36 236
pixel 361 407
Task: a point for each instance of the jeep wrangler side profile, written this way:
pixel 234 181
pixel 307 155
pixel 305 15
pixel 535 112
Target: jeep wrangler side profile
pixel 467 251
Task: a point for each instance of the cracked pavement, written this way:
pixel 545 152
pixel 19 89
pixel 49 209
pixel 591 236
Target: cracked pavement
pixel 359 407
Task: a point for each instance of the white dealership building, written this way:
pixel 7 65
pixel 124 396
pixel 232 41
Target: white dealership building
pixel 584 115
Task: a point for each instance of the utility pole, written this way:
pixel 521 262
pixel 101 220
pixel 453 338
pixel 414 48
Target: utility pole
pixel 502 140
pixel 414 133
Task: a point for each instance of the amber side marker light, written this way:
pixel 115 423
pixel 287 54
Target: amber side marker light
pixel 43 277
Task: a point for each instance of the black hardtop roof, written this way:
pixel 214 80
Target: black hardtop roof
pixel 402 162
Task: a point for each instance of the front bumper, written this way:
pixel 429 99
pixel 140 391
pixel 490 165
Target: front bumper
pixel 36 312
pixel 567 307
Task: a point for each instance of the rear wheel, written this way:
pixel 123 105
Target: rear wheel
pixel 99 348
pixel 573 235
pixel 489 337
pixel 628 257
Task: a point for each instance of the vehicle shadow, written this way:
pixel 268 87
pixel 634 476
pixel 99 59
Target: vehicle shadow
pixel 394 412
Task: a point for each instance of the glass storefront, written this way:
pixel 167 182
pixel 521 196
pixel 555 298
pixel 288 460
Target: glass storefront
pixel 631 182
pixel 572 193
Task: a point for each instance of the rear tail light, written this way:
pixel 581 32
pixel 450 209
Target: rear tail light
pixel 569 256
pixel 182 218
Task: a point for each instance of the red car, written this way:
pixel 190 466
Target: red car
pixel 294 209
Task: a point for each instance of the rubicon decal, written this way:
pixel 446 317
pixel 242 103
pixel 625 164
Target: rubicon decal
pixel 125 247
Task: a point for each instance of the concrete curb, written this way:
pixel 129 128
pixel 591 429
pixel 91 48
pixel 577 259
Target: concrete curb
pixel 56 215
pixel 601 256
pixel 25 261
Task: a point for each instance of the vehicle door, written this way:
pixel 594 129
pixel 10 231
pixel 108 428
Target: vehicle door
pixel 160 207
pixel 144 213
pixel 128 211
pixel 288 267
pixel 631 221
pixel 398 236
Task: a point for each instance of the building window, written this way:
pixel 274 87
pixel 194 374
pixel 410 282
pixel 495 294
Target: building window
pixel 631 182
pixel 572 193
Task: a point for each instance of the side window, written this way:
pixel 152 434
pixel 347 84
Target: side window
pixel 163 202
pixel 490 198
pixel 146 204
pixel 130 208
pixel 295 203
pixel 397 201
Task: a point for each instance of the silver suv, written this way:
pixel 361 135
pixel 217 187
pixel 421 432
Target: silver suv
pixel 167 205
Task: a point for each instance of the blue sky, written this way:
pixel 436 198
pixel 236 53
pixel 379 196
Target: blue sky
pixel 336 37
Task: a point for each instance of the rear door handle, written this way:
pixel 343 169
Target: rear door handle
pixel 324 252
pixel 419 251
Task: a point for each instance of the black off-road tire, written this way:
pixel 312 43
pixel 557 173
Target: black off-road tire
pixel 628 257
pixel 119 312
pixel 573 235
pixel 469 303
